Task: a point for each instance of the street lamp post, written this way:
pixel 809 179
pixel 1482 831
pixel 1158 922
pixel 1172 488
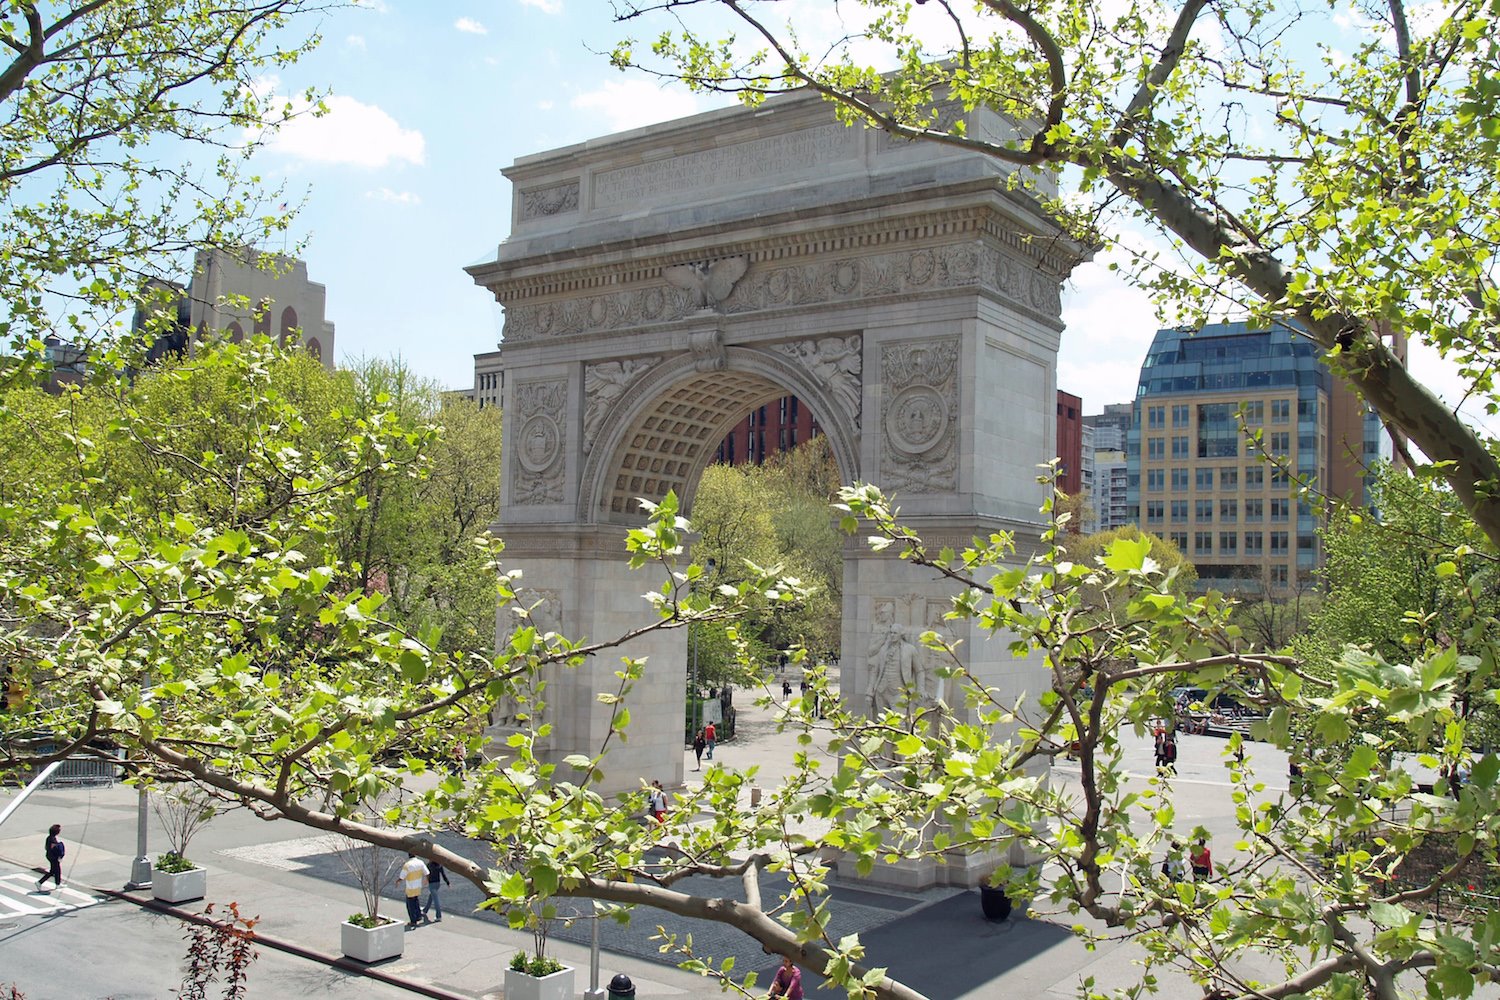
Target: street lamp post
pixel 693 692
pixel 140 868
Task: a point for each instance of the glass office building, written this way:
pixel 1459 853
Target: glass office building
pixel 1229 423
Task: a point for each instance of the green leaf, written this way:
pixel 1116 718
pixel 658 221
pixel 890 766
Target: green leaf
pixel 413 667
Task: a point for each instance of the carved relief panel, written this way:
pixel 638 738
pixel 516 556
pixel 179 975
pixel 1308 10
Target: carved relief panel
pixel 539 464
pixel 898 666
pixel 603 384
pixel 836 362
pixel 919 428
pixel 726 288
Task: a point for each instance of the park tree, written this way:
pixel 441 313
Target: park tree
pixel 128 125
pixel 1408 580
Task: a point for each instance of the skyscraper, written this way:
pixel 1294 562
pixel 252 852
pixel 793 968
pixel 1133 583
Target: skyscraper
pixel 1229 423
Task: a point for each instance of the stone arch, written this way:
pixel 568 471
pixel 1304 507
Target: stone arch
pixel 314 348
pixel 658 284
pixel 662 431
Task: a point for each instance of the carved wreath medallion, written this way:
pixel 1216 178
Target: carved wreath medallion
pixel 539 467
pixel 919 443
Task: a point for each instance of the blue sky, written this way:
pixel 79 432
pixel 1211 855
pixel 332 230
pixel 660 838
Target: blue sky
pixel 429 99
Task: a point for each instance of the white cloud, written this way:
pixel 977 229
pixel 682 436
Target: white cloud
pixel 1109 326
pixel 378 6
pixel 631 103
pixel 394 197
pixel 351 133
pixel 469 26
pixel 355 42
pixel 545 6
pixel 544 105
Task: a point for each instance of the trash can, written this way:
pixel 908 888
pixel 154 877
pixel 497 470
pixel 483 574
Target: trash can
pixel 621 988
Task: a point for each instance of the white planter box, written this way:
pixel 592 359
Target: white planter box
pixel 372 944
pixel 524 986
pixel 179 887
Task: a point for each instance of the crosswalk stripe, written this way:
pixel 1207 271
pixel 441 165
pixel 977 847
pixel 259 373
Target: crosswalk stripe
pixel 18 899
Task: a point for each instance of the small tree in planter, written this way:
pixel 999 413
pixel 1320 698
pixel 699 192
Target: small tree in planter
pixel 183 811
pixel 367 936
pixel 537 976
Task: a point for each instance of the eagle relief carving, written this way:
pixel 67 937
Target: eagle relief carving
pixel 708 283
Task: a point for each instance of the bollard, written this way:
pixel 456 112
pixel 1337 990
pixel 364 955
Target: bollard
pixel 754 796
pixel 621 988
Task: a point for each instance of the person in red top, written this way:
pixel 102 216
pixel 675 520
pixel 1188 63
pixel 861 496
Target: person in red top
pixel 1201 860
pixel 709 735
pixel 788 981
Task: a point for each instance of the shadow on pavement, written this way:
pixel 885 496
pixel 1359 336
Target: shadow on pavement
pixel 948 949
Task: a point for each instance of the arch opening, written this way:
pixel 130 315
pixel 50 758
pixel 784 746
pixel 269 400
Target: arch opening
pixel 672 428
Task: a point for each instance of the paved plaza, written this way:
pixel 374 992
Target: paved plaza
pixel 936 940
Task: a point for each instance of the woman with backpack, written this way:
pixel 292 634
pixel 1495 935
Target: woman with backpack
pixel 54 849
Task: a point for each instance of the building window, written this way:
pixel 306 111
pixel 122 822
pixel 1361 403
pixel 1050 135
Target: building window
pixel 1155 480
pixel 1179 480
pixel 1203 510
pixel 1253 545
pixel 1280 508
pixel 1180 447
pixel 1203 543
pixel 1281 411
pixel 1281 478
pixel 1255 510
pixel 1227 542
pixel 1156 448
pixel 1279 543
pixel 1218 431
pixel 1179 539
pixel 1179 415
pixel 1255 477
pixel 1153 512
pixel 1254 413
pixel 1179 511
pixel 1229 480
pixel 1156 417
pixel 1204 479
pixel 1229 511
pixel 1278 576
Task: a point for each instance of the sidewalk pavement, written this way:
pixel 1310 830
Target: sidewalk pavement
pixel 936 941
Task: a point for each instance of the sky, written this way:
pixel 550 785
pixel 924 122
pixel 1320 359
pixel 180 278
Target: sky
pixel 428 100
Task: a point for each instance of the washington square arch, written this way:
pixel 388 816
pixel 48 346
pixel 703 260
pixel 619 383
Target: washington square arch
pixel 659 284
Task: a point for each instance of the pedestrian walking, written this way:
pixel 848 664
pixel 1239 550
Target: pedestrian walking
pixel 658 803
pixel 786 690
pixel 1171 865
pixel 788 981
pixel 413 875
pixel 699 742
pixel 1169 753
pixel 710 737
pixel 54 849
pixel 437 877
pixel 1202 861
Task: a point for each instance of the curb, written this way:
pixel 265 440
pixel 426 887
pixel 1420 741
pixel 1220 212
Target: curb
pixel 339 962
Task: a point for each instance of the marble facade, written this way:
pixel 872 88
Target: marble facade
pixel 660 283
